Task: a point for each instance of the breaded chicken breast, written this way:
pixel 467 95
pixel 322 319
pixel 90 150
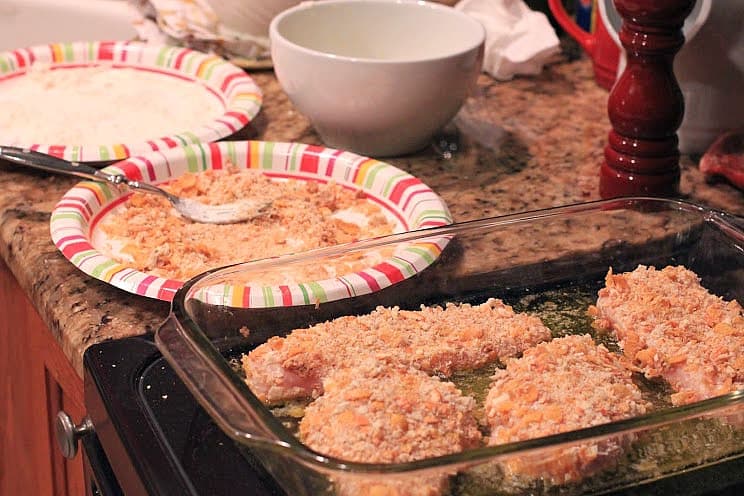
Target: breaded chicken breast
pixel 435 340
pixel 563 385
pixel 672 327
pixel 377 412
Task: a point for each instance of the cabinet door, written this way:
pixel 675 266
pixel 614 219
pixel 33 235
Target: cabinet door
pixel 36 381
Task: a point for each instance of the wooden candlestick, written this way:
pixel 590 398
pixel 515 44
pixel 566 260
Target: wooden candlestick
pixel 646 105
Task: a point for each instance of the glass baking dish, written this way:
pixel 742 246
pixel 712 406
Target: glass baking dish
pixel 550 262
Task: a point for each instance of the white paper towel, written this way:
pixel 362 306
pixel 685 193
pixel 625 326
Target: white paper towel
pixel 193 23
pixel 519 40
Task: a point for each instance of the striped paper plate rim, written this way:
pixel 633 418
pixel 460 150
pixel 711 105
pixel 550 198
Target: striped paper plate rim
pixel 241 96
pixel 411 202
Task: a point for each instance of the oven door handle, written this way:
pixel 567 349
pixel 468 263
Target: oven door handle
pixel 99 474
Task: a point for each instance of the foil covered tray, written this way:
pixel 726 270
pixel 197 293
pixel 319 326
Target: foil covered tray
pixel 550 263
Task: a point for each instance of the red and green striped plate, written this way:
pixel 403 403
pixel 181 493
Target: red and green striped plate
pixel 240 96
pixel 402 196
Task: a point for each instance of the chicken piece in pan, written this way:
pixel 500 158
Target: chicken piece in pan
pixel 563 385
pixel 435 340
pixel 376 412
pixel 672 327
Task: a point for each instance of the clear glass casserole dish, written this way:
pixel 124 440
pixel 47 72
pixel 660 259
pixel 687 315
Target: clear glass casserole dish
pixel 550 263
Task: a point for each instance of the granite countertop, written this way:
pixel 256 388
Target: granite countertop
pixel 530 143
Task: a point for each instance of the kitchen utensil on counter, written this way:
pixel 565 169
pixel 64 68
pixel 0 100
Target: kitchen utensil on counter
pixel 646 105
pixel 572 249
pixel 227 213
pixel 709 69
pixel 376 77
pixel 598 44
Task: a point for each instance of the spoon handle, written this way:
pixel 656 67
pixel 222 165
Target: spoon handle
pixel 37 160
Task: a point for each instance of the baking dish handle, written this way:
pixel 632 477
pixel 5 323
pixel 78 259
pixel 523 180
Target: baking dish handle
pixel 213 387
pixel 731 223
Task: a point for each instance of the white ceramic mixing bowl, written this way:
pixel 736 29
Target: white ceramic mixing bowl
pixel 378 77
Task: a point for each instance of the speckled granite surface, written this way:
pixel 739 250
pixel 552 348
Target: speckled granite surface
pixel 529 143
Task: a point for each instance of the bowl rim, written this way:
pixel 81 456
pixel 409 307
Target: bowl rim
pixel 276 37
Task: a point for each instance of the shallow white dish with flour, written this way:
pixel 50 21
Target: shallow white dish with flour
pixel 101 101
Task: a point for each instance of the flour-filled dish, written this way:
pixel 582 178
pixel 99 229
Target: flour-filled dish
pixel 97 101
pixel 101 105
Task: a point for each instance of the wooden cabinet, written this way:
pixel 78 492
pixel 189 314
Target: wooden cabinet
pixel 36 381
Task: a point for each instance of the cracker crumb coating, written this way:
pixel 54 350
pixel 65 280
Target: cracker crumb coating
pixel 433 339
pixel 376 412
pixel 566 384
pixel 303 215
pixel 671 327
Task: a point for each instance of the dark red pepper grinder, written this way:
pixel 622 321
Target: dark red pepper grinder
pixel 646 105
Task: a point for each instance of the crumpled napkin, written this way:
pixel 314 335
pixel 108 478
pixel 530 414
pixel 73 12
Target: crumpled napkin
pixel 519 40
pixel 193 23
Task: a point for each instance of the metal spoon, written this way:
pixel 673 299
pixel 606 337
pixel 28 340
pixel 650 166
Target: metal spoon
pixel 227 213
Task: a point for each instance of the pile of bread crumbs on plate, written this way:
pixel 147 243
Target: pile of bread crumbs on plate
pixel 147 234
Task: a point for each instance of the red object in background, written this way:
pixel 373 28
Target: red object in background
pixel 600 47
pixel 725 158
pixel 646 105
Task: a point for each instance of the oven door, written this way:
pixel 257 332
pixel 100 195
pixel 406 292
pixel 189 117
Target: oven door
pixel 99 477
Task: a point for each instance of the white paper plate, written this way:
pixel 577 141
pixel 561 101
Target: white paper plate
pixel 400 195
pixel 236 92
